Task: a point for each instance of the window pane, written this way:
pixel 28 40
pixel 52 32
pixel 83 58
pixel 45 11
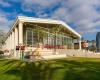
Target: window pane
pixel 29 37
pixel 35 38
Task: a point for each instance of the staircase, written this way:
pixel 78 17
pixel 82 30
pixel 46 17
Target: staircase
pixel 51 54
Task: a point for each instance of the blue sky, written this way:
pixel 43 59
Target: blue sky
pixel 81 15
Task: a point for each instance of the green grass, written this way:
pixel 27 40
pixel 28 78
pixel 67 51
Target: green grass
pixel 62 69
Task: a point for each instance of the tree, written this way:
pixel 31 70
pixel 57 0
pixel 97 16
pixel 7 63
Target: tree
pixel 41 33
pixel 2 37
pixel 56 30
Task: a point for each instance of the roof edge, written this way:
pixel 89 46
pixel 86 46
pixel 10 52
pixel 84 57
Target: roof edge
pixel 33 19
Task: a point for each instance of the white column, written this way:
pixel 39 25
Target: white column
pixel 16 36
pixel 79 44
pixel 16 41
pixel 11 41
pixel 20 27
pixel 8 42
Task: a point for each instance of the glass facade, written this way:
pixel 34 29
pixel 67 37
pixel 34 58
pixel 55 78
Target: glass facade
pixel 29 37
pixel 50 39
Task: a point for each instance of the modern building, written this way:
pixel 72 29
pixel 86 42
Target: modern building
pixel 98 41
pixel 29 31
pixel 92 43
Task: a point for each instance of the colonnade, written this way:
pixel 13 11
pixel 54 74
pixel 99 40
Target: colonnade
pixel 15 37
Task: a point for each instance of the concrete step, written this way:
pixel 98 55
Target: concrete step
pixel 54 56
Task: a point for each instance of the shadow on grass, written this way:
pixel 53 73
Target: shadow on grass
pixel 10 68
pixel 62 69
pixel 2 57
pixel 15 72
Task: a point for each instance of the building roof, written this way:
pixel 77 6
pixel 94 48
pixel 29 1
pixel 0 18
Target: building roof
pixel 41 20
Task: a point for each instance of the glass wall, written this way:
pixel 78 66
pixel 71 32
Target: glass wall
pixel 29 39
pixel 49 39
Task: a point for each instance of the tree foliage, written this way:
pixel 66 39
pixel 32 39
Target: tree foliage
pixel 2 37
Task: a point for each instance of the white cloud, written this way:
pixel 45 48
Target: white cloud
pixel 43 3
pixel 4 3
pixel 80 12
pixel 62 13
pixel 4 22
pixel 38 6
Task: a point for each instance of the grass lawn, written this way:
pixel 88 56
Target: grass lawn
pixel 62 69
